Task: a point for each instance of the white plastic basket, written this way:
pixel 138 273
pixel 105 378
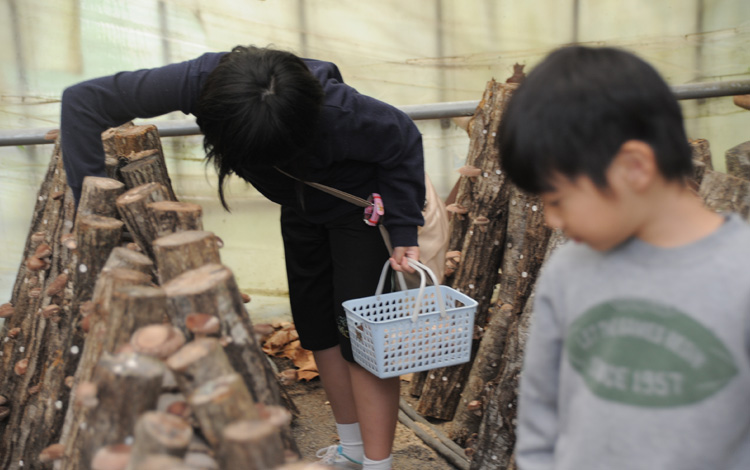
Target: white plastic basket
pixel 411 330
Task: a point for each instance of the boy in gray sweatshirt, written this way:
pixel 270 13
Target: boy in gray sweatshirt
pixel 639 350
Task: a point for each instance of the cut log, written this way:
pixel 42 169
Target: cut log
pixel 127 140
pixel 123 386
pixel 172 216
pixel 219 402
pixel 743 101
pixel 251 445
pixel 497 432
pixel 483 245
pixel 111 280
pixel 121 257
pixel 158 433
pixel 147 167
pixel 526 241
pixel 96 237
pixel 159 341
pixel 199 362
pixel 133 307
pixel 738 161
pixel 98 196
pixel 179 252
pixel 110 142
pixel 132 208
pixel 702 152
pixel 40 331
pixel 726 193
pixel 212 289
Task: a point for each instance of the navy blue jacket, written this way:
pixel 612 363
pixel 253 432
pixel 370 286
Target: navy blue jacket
pixel 363 145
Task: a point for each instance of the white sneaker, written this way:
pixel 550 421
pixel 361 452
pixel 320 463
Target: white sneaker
pixel 335 457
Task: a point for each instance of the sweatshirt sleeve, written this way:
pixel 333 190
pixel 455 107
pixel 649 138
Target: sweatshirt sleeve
pixel 89 108
pixel 539 388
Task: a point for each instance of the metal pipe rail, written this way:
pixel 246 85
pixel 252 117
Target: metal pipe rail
pixel 416 112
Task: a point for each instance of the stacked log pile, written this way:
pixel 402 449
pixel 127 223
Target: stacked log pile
pixel 126 338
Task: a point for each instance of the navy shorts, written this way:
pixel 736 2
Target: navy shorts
pixel 327 264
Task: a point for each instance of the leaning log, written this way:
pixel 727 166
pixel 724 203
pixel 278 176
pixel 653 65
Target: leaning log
pixel 38 332
pixel 483 245
pixel 526 241
pixel 251 445
pixel 98 196
pixel 147 167
pixel 158 433
pixel 738 161
pixel 172 216
pixel 123 386
pixel 182 251
pixel 726 193
pixel 497 432
pixel 212 289
pixel 132 208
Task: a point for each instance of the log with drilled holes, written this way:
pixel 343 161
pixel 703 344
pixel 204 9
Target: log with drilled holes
pixel 481 252
pixel 526 241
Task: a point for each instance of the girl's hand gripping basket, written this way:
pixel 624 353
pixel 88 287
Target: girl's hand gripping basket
pixel 411 330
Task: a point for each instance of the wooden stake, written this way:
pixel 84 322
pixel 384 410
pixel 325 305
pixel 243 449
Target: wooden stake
pixel 251 445
pixel 173 216
pixel 219 402
pixel 158 433
pixel 182 251
pixel 132 208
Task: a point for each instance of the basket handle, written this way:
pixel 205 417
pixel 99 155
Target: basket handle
pixel 421 269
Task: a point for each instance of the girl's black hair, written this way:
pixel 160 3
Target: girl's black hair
pixel 259 107
pixel 577 107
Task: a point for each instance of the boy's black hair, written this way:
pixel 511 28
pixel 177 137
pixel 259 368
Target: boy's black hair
pixel 577 107
pixel 259 107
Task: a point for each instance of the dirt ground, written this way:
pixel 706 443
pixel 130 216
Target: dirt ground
pixel 315 429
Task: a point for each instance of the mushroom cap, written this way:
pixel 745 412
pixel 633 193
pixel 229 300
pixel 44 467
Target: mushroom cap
pixel 112 457
pixel 202 323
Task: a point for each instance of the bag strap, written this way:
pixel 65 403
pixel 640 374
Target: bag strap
pixel 357 201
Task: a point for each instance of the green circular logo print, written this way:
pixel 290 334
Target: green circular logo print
pixel 646 354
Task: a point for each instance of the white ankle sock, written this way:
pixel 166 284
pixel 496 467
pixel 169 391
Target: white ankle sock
pixel 384 464
pixel 351 440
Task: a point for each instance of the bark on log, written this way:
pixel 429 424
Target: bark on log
pixel 96 237
pixel 199 362
pixel 738 161
pixel 98 196
pixel 483 244
pixel 219 402
pixel 702 161
pixel 158 433
pixel 110 143
pixel 251 445
pixel 132 208
pixel 726 193
pixel 172 216
pixel 121 257
pixel 179 252
pixel 129 139
pixel 109 281
pixel 42 330
pixel 496 438
pixel 131 308
pixel 526 241
pixel 147 167
pixel 212 289
pixel 124 386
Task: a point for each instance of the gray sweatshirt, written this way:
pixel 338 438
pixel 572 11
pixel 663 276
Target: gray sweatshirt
pixel 639 358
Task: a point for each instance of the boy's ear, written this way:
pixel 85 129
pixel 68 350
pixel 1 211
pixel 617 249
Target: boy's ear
pixel 635 165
